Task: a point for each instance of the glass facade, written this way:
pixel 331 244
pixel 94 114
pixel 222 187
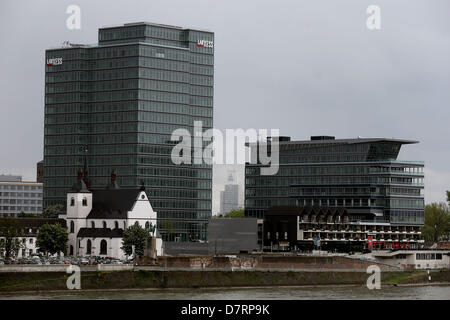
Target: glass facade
pixel 17 197
pixel 119 101
pixel 362 175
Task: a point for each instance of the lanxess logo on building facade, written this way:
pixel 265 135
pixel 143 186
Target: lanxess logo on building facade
pixel 54 61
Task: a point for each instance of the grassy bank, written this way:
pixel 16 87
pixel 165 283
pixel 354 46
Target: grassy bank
pixel 44 281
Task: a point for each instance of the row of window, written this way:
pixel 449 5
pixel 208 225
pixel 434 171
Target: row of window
pixel 333 170
pixel 20 201
pixel 129 84
pixel 128 73
pixel 26 209
pixel 70 151
pixel 15 187
pixel 131 170
pixel 428 256
pixel 130 95
pixel 262 181
pixel 66 182
pixel 22 194
pixel 89 109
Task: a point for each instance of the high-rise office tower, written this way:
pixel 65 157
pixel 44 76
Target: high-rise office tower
pixel 230 196
pixel 117 103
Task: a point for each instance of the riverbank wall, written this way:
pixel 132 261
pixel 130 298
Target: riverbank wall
pixel 143 279
pixel 269 262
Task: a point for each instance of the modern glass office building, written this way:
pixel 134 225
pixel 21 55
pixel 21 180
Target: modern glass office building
pixel 118 102
pixel 17 196
pixel 362 175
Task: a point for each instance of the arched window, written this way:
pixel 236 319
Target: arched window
pixel 104 224
pixel 72 227
pixel 72 201
pixel 147 225
pixel 103 247
pixel 136 223
pixel 92 224
pixel 88 247
pixel 71 250
pixel 116 225
pixel 84 202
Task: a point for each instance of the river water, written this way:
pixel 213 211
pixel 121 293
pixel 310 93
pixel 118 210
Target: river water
pixel 266 293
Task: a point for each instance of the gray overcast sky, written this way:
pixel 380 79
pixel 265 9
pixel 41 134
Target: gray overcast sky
pixel 305 67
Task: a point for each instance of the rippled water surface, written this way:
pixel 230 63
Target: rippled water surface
pixel 288 293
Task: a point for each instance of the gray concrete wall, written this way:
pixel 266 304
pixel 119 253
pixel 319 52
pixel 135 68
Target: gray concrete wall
pixel 232 235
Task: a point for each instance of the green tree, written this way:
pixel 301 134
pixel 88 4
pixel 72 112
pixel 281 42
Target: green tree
pixel 28 215
pixel 10 231
pixel 167 226
pixel 235 213
pixel 135 236
pixel 53 211
pixel 437 221
pixel 52 238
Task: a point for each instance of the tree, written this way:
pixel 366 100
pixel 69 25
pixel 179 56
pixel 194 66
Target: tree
pixel 53 211
pixel 135 236
pixel 235 213
pixel 52 238
pixel 437 221
pixel 10 231
pixel 167 226
pixel 28 215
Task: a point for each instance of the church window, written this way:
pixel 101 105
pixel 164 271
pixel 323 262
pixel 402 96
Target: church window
pixel 103 247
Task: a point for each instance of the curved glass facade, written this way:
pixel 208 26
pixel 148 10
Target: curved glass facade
pixel 362 175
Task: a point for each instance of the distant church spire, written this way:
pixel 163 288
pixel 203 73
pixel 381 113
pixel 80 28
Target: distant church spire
pixel 86 170
pixel 113 184
pixel 79 186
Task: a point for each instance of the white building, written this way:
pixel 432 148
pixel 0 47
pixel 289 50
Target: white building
pixel 415 259
pixel 96 219
pixel 18 196
pixel 29 231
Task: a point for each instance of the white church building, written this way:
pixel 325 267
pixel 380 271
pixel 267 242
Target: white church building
pixel 96 219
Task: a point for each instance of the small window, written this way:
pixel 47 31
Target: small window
pixel 143 197
pixel 92 224
pixel 89 247
pixel 72 227
pixel 116 225
pixel 72 201
pixel 147 225
pixel 103 247
pixel 104 224
pixel 84 202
